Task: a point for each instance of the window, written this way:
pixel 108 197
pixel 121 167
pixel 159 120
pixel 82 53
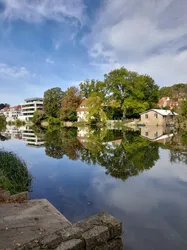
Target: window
pixel 146 133
pixel 146 116
pixel 156 134
pixel 156 115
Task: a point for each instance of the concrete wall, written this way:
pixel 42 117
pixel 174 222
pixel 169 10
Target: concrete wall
pixel 152 120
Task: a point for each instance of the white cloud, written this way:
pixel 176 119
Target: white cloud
pixel 15 72
pixel 145 36
pixel 49 60
pixel 36 11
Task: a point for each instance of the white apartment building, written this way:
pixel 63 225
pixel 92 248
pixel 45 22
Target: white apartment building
pixel 29 106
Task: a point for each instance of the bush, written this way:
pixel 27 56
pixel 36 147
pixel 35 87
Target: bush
pixel 53 121
pixel 20 123
pixel 17 122
pixel 72 116
pixel 14 176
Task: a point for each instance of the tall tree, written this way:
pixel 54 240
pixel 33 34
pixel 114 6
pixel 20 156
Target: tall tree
pixel 52 102
pixel 70 102
pixel 88 87
pixel 96 109
pixel 175 92
pixel 134 93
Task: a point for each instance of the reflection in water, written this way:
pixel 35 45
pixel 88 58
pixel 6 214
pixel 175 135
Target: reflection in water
pixel 69 170
pixel 122 153
pixel 24 133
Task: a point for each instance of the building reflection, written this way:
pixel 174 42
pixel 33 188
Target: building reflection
pixel 23 133
pixel 157 133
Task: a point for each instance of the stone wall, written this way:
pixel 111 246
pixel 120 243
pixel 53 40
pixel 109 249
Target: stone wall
pixel 99 232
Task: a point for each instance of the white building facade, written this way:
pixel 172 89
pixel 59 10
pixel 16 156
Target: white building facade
pixel 29 106
pixel 82 112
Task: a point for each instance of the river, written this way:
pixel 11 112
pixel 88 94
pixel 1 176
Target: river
pixel 139 176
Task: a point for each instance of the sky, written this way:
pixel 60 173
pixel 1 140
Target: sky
pixel 59 43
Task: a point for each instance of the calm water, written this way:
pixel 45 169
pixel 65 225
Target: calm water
pixel 138 176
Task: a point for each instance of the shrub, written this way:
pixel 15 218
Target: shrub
pixel 14 175
pixel 19 123
pixel 53 121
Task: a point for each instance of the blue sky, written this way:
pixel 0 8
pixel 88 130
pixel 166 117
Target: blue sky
pixel 49 43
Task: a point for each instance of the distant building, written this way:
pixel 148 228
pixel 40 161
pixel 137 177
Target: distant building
pixel 157 117
pixel 29 106
pixel 166 101
pixel 12 113
pixel 82 111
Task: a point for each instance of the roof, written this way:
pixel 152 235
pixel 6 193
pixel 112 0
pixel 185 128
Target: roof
pixel 83 103
pixel 162 112
pixel 16 108
pixel 82 109
pixel 33 99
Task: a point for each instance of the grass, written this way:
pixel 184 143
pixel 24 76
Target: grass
pixel 14 175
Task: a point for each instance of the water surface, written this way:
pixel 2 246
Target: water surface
pixel 138 176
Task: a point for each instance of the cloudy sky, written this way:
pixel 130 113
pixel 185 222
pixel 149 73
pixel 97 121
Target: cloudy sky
pixel 49 43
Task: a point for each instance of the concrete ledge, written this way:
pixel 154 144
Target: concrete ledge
pixel 36 224
pixel 99 232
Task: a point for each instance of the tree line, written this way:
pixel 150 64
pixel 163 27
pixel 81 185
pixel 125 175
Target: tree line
pixel 121 94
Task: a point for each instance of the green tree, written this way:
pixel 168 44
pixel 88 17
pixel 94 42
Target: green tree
pixel 2 122
pixel 183 110
pixel 38 116
pixel 175 92
pixel 134 93
pixel 52 102
pixel 70 102
pixel 96 109
pixel 88 87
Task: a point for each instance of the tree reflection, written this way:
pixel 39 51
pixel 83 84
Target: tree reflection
pixel 178 147
pixel 121 158
pixel 123 154
pixel 60 142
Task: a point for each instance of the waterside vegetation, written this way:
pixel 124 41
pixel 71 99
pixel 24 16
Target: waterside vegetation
pixel 14 175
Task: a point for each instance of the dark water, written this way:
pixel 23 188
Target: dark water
pixel 138 176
